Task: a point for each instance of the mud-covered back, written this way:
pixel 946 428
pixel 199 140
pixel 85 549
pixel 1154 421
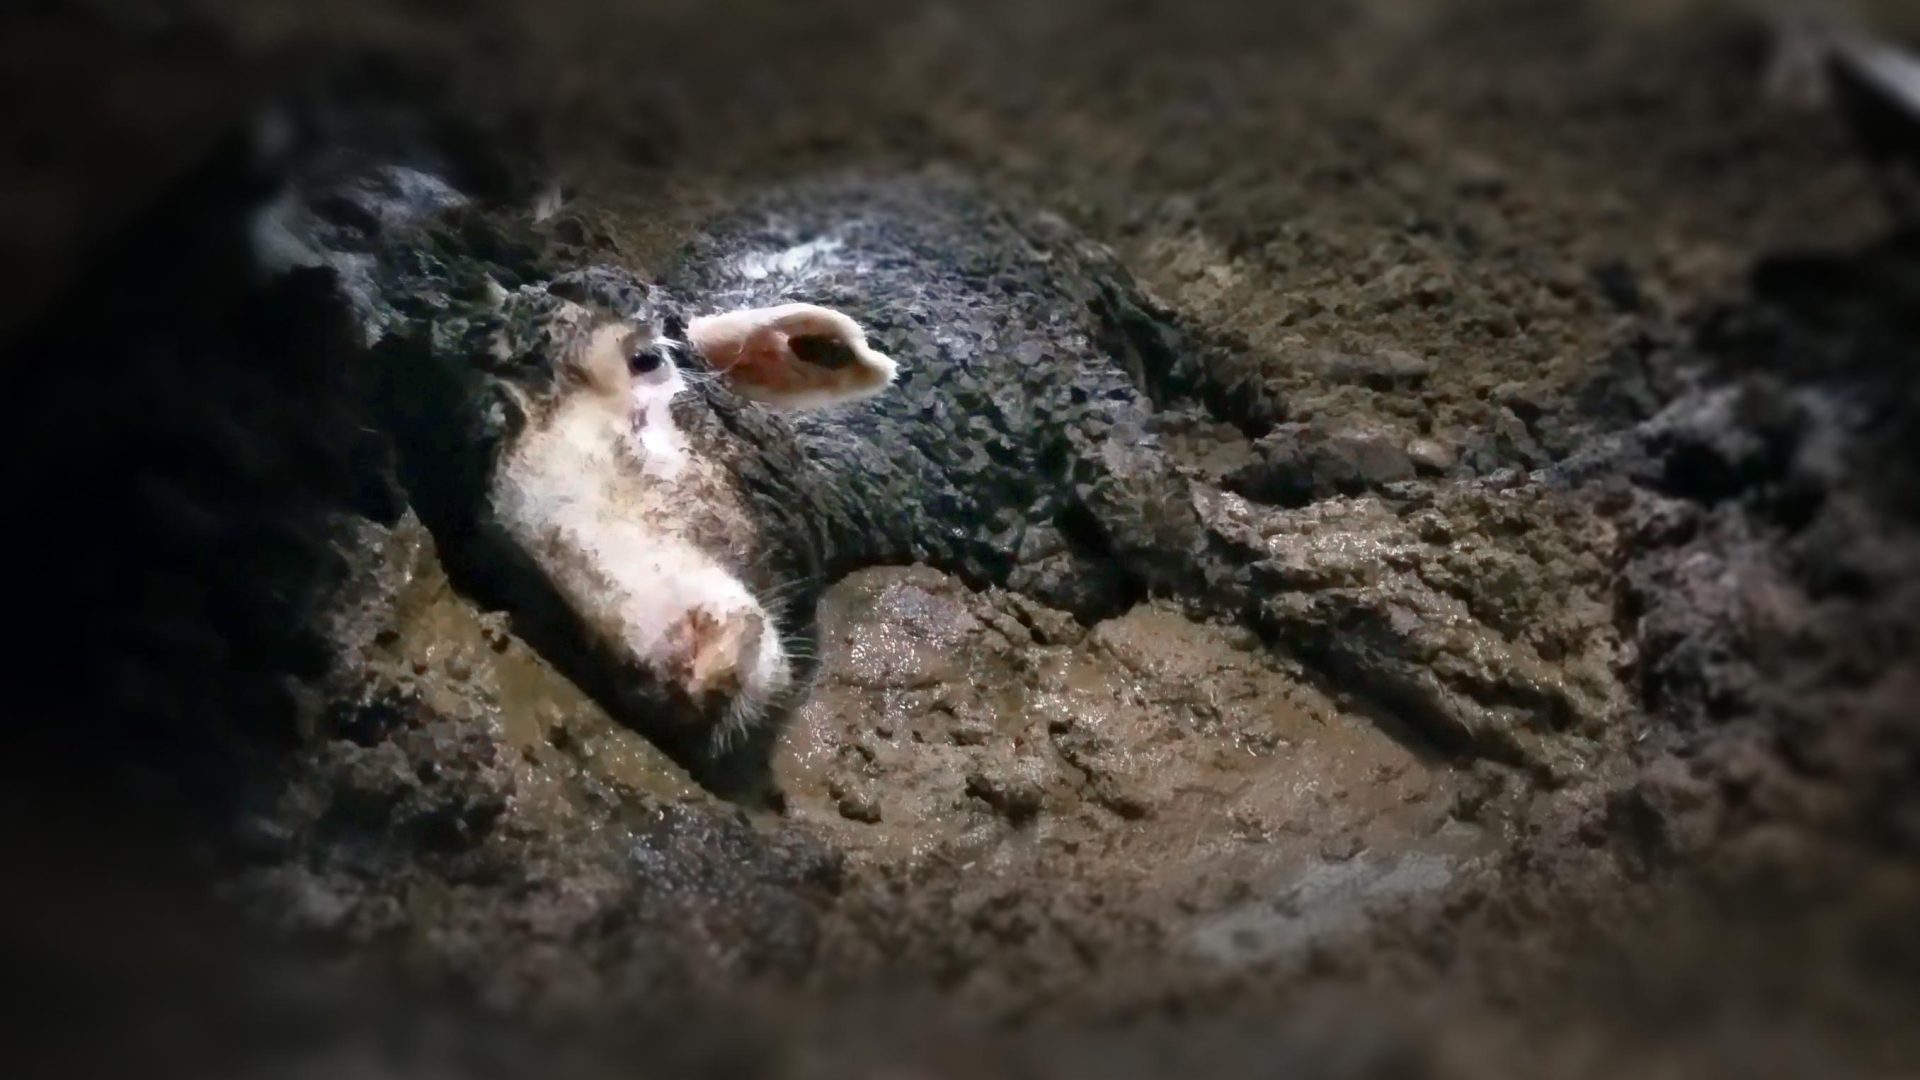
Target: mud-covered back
pixel 1018 429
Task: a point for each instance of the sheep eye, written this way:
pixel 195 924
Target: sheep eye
pixel 645 360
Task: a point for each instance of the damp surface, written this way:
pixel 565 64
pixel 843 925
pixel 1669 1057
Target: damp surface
pixel 1566 727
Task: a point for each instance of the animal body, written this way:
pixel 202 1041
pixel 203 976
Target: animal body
pixel 658 478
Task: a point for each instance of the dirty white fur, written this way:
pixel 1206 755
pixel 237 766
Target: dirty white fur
pixel 652 580
pixel 661 446
pixel 568 493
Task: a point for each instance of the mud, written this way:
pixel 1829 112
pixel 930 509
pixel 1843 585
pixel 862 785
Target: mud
pixel 1217 808
pixel 1563 722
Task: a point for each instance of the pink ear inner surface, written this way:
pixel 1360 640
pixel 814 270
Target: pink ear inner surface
pixel 753 349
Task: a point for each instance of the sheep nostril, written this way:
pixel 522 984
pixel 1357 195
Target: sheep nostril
pixel 717 653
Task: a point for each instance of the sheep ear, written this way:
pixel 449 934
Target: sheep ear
pixel 794 356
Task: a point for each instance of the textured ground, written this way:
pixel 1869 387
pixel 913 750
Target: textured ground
pixel 1553 308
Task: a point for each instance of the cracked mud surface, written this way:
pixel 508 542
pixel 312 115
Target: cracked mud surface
pixel 1569 365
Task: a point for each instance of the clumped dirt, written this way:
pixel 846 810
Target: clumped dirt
pixel 1212 805
pixel 1562 332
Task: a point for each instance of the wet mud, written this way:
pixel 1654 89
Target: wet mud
pixel 1550 708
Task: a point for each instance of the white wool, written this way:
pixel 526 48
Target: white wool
pixel 792 262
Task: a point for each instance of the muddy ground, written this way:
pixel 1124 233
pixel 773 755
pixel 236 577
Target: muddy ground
pixel 1575 316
